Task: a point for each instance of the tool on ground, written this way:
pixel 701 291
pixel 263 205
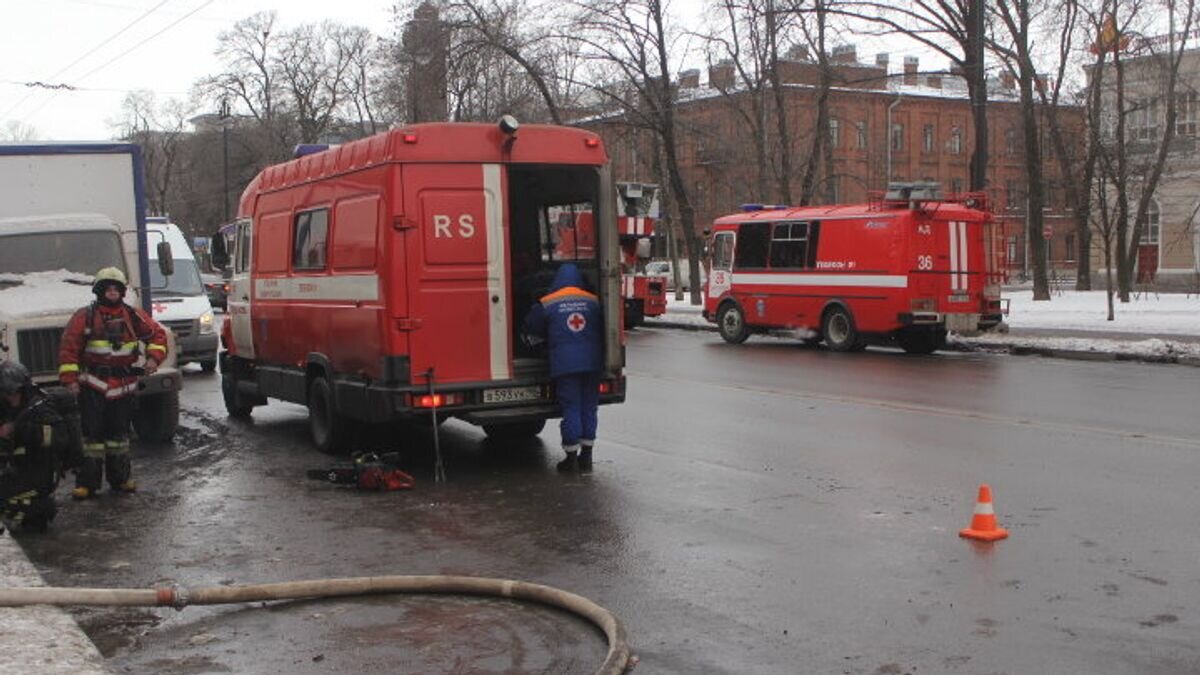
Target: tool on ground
pixel 369 471
pixel 983 524
pixel 439 471
pixel 618 659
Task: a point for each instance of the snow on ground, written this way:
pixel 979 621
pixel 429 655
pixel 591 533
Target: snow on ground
pixel 1174 313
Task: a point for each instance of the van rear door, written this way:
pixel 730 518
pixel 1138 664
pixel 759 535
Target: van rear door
pixel 457 272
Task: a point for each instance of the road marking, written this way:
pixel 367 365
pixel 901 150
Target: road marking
pixel 937 411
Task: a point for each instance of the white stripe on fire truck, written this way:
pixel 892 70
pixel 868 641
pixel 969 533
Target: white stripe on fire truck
pixel 848 280
pixel 964 262
pixel 493 195
pixel 338 287
pixel 952 227
pixel 641 225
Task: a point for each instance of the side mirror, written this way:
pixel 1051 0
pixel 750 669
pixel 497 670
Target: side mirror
pixel 217 253
pixel 166 264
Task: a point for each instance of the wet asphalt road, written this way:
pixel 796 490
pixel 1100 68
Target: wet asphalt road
pixel 757 509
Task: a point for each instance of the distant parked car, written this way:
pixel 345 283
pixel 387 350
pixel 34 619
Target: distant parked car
pixel 217 289
pixel 664 267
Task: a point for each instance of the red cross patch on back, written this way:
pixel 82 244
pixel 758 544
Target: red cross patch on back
pixel 576 322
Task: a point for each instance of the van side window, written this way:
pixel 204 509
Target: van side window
pixel 243 247
pixel 753 242
pixel 789 246
pixel 309 245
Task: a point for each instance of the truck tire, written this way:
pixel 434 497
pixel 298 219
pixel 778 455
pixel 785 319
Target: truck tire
pixel 234 405
pixel 731 323
pixel 921 340
pixel 839 331
pixel 514 431
pixel 157 417
pixel 329 428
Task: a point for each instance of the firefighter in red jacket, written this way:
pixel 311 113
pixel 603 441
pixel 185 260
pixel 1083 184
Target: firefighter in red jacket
pixel 96 362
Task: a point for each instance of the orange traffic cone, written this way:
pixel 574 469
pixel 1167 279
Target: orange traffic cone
pixel 983 523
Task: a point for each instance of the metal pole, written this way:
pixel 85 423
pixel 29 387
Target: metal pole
pixel 225 158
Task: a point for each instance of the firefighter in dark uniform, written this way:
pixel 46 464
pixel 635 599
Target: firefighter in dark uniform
pixel 570 319
pixel 99 348
pixel 33 438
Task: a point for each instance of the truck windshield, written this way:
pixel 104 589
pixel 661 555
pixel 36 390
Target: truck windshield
pixel 80 252
pixel 185 280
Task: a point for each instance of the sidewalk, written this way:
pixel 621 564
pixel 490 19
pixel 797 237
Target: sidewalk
pixel 43 640
pixel 1168 330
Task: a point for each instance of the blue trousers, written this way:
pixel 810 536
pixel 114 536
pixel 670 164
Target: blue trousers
pixel 579 397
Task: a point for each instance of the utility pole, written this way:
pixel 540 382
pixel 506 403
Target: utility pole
pixel 224 115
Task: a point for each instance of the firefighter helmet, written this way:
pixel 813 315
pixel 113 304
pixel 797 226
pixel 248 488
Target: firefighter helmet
pixel 107 276
pixel 13 377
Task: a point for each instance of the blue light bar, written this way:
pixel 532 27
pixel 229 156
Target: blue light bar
pixel 752 207
pixel 304 149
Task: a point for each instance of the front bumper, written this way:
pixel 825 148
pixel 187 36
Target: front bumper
pixel 198 347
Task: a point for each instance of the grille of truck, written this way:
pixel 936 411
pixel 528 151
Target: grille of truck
pixel 38 348
pixel 181 328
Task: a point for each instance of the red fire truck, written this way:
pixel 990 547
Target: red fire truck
pixel 378 279
pixel 906 267
pixel 644 294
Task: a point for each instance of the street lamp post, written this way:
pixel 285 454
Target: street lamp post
pixel 224 115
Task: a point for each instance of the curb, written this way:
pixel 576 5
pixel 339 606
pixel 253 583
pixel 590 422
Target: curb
pixel 1004 348
pixel 40 639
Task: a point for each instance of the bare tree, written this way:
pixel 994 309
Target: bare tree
pixel 956 29
pixel 312 65
pixel 1143 73
pixel 160 129
pixel 1016 47
pixel 18 131
pixel 632 49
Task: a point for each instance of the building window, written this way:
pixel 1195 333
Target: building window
pixel 956 185
pixel 835 189
pixel 1145 120
pixel 927 139
pixel 897 136
pixel 956 138
pixel 835 132
pixel 861 128
pixel 1185 114
pixel 1069 255
pixel 308 248
pixel 1012 195
pixel 1010 141
pixel 1151 231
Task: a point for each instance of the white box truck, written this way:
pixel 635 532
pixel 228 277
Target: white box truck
pixel 66 211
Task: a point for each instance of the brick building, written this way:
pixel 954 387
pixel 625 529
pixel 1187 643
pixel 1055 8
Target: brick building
pixel 885 126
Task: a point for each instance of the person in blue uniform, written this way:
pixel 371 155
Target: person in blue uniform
pixel 569 318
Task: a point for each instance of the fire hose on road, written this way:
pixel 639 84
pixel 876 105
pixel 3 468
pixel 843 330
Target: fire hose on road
pixel 618 659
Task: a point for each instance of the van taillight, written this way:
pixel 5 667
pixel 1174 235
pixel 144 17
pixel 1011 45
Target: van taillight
pixel 924 305
pixel 436 400
pixel 606 387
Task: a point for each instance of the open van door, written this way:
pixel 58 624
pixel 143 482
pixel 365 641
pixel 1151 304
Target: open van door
pixel 241 289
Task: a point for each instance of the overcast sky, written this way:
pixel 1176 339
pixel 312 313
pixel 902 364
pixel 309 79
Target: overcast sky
pixel 41 38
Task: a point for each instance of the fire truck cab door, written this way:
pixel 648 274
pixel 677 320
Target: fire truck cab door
pixel 458 272
pixel 240 290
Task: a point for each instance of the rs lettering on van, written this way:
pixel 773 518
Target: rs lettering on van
pixel 442 224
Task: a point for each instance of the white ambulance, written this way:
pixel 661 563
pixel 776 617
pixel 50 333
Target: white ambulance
pixel 179 301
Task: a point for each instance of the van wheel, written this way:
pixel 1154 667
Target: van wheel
pixel 514 431
pixel 731 322
pixel 234 405
pixel 329 428
pixel 921 341
pixel 208 366
pixel 839 331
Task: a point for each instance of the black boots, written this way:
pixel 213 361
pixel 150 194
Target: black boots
pixel 571 463
pixel 577 461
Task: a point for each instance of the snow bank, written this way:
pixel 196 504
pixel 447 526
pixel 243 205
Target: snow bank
pixel 1171 314
pixel 43 293
pixel 41 639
